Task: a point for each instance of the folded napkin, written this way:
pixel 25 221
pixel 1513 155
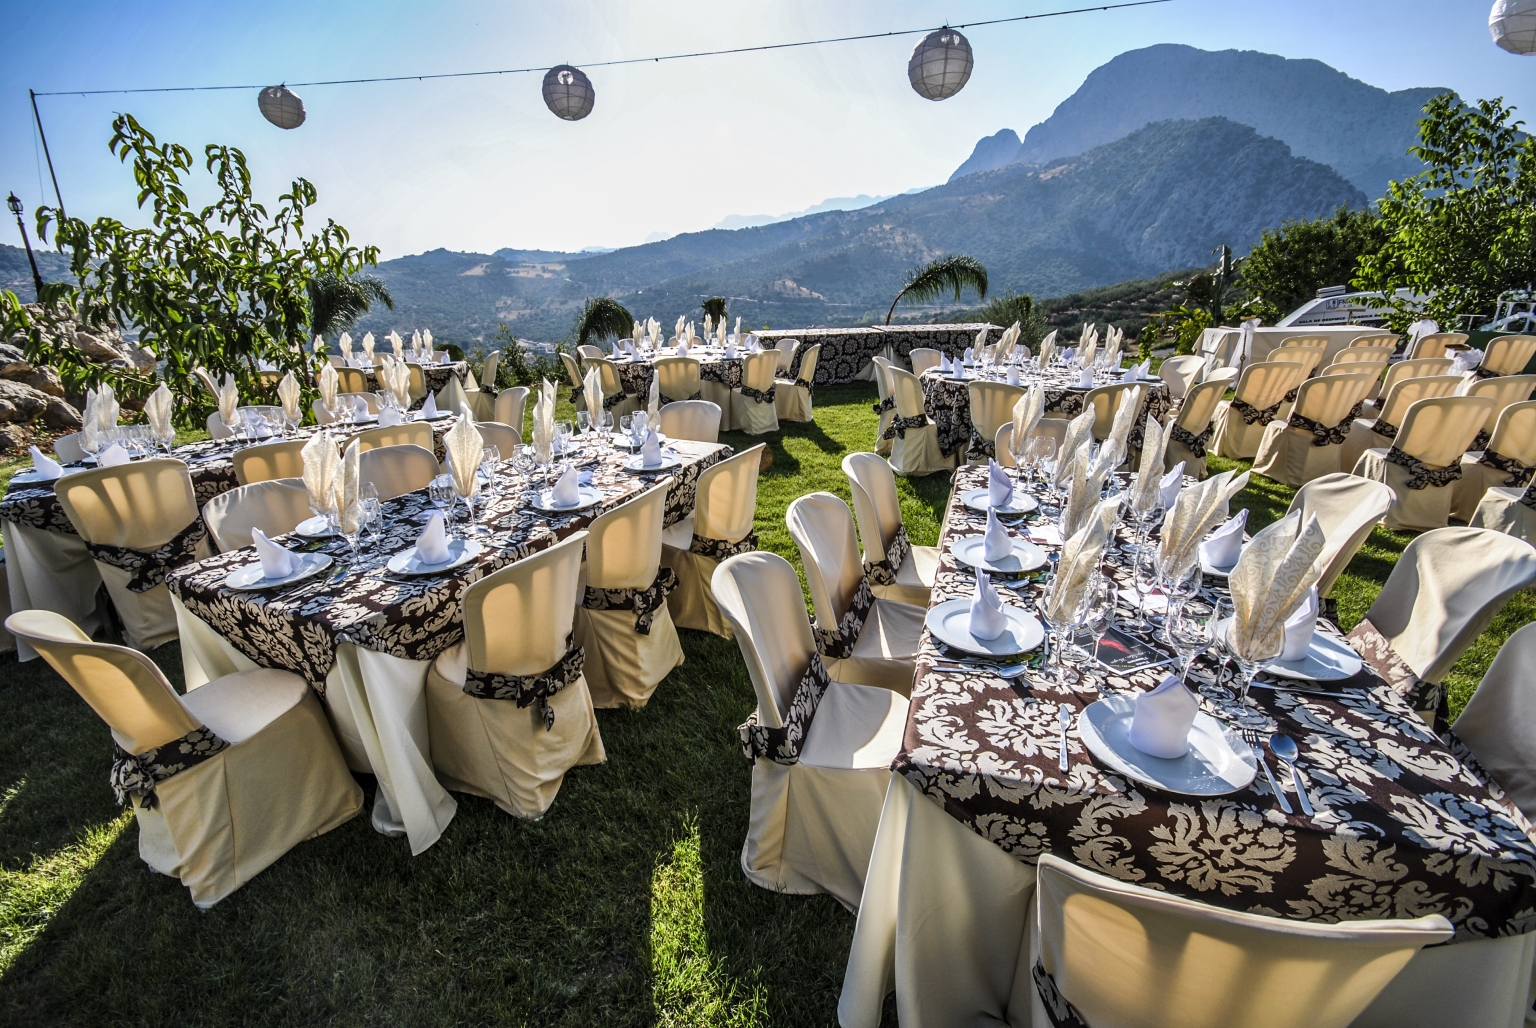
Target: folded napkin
pixel 1300 627
pixel 650 450
pixel 968 356
pixel 1089 347
pixel 592 392
pixel 653 402
pixel 997 543
pixel 1170 484
pixel 322 466
pixel 429 407
pixel 288 395
pixel 1026 416
pixel 1271 580
pixel 346 347
pixel 1079 434
pixel 1138 372
pixel 329 383
pixel 1047 347
pixel 349 481
pixel 709 325
pixel 1193 513
pixel 639 421
pixel 398 345
pixel 89 432
pixel 1013 374
pixel 1222 547
pixel 390 417
pixel 112 456
pixel 987 618
pixel 46 467
pixel 567 491
pixel 544 423
pixel 1085 378
pixel 1113 340
pixel 1147 493
pixel 465 447
pixel 157 408
pixel 1084 488
pixel 229 400
pixel 682 348
pixel 368 346
pixel 1465 361
pixel 432 544
pixel 1069 353
pixel 1160 727
pixel 1080 556
pixel 426 344
pixel 730 350
pixel 1119 442
pixel 318 346
pixel 276 561
pixel 265 365
pixel 999 487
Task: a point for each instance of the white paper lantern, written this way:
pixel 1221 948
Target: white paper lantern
pixel 281 106
pixel 568 92
pixel 1512 23
pixel 940 65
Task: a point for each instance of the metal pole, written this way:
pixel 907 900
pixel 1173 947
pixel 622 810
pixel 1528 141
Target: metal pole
pixel 16 208
pixel 51 174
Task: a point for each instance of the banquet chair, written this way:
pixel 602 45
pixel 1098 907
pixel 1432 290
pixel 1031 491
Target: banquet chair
pixel 786 349
pixel 923 358
pixel 1125 956
pixel 991 405
pixel 1402 371
pixel 67 448
pixel 1347 508
pixel 278 459
pixel 454 398
pixel 397 469
pixel 586 351
pixel 351 380
pixel 1379 431
pixel 1495 724
pixel 1180 374
pixel 1294 451
pixel 228 812
pixel 418 383
pixel 503 437
pixel 698 420
pixel 1506 389
pixel 914 439
pixel 719 394
pixel 725 501
pixel 886 408
pixel 138 507
pixel 369 400
pixel 518 624
pixel 205 380
pixel 573 379
pixel 883 652
pixel 1052 428
pixel 1304 342
pixel 677 378
pixel 1353 359
pixel 792 397
pixel 1192 429
pixel 754 412
pixel 1256 400
pixel 488 370
pixel 1433 344
pixel 275 506
pixel 613 385
pixel 1385 340
pixel 1435 434
pixel 877 508
pixel 510 404
pixel 416 433
pixel 1226 376
pixel 627 657
pixel 1508 509
pixel 1508 355
pixel 1506 460
pixel 1105 400
pixel 813 815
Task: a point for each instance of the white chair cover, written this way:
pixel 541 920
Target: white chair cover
pixel 503 437
pixel 1513 439
pixel 1500 510
pixel 678 378
pixel 724 505
pixel 1262 386
pixel 698 420
pixel 792 397
pixel 1496 722
pixel 414 433
pixel 1508 355
pixel 1055 428
pixel 396 470
pixel 453 397
pixel 1180 374
pixel 877 508
pixel 1286 452
pixel 915 451
pixel 588 352
pixel 1505 390
pixel 992 404
pixel 1436 432
pixel 1433 344
pixel 1347 508
pixel 923 358
pixel 786 349
pixel 1402 394
pixel 1194 417
pixel 274 506
pixel 264 461
pixel 509 407
pixel 755 416
pixel 887 405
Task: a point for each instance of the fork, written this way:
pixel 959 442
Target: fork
pixel 1255 743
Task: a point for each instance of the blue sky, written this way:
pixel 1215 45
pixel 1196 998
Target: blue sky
pixel 477 164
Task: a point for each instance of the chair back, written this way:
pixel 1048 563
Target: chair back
pixel 123 687
pixel 1226 376
pixel 1309 357
pixel 517 620
pixel 214 423
pixel 1105 400
pixel 1424 367
pixel 698 420
pixel 572 371
pixel 206 381
pixel 1515 434
pixel 140 506
pixel 882 379
pixel 1265 383
pixel 397 469
pixel 876 504
pixel 677 378
pixel 624 545
pixel 1002 443
pixel 908 391
pixel 351 380
pixel 758 370
pixel 418 384
pixel 274 506
pixel 503 437
pixel 992 404
pixel 822 527
pixel 1200 406
pixel 786 349
pixel 608 375
pixel 1304 343
pixel 1347 508
pixel 1407 391
pixel 923 358
pixel 1181 373
pixel 807 373
pixel 1438 430
pixel 1444 590
pixel 67 448
pixel 1362 355
pixel 1327 399
pixel 1383 340
pixel 1505 390
pixel 1354 368
pixel 1433 344
pixel 509 406
pixel 279 459
pixel 726 497
pixel 1508 355
pixel 488 370
pixel 1130 956
pixel 587 351
pixel 322 416
pixel 415 433
pixel 1496 722
pixel 759 594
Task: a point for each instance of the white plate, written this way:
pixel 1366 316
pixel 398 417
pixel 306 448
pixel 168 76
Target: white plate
pixel 1026 556
pixel 950 623
pixel 1208 568
pixel 1328 659
pixel 668 462
pixel 29 476
pixel 313 528
pixel 440 415
pixel 250 579
pixel 1021 503
pixel 588 496
pixel 1218 762
pixel 460 551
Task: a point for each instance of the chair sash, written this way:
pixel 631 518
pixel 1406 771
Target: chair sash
pixel 135 776
pixel 760 395
pixel 1481 440
pixel 644 602
pixel 1322 435
pixel 1383 427
pixel 665 399
pixel 1529 496
pixel 610 402
pixel 526 689
pixel 150 568
pixel 1423 477
pixel 1196 443
pixel 887 404
pixel 838 644
pixel 1253 415
pixel 720 549
pixel 1519 474
pixel 783 745
pixel 899 425
pixel 1384 662
pixel 883 572
pixel 1484 373
pixel 1290 397
pixel 1058 1011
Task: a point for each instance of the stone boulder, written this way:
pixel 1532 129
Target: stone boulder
pixel 61 417
pixel 14 439
pixel 24 402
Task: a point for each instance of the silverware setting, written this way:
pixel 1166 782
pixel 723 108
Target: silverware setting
pixel 1285 748
pixel 1302 691
pixel 984 667
pixel 1255 744
pixel 1063 720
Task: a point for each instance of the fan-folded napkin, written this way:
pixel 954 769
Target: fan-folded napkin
pixel 346 347
pixel 465 449
pixel 988 621
pixel 1119 442
pixel 999 487
pixel 997 544
pixel 544 423
pixel 1089 345
pixel 432 544
pixel 1193 513
pixel 322 466
pixel 1083 491
pixel 1223 546
pixel 1080 556
pixel 1047 347
pixel 1026 416
pixel 1147 493
pixel 1271 580
pixel 229 401
pixel 1079 432
pixel 592 392
pixel 1160 726
pixel 288 396
pixel 157 408
pixel 276 561
pixel 653 401
pixel 46 467
pixel 328 386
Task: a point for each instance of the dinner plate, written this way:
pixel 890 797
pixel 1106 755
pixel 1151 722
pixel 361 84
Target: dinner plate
pixel 408 562
pixel 668 462
pixel 251 579
pixel 440 415
pixel 588 495
pixel 1021 503
pixel 623 441
pixel 314 528
pixel 1328 659
pixel 950 623
pixel 29 476
pixel 1218 762
pixel 1026 556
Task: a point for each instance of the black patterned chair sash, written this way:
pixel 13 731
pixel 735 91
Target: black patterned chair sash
pixel 135 776
pixel 1253 415
pixel 644 602
pixel 1354 412
pixel 838 643
pixel 883 572
pixel 150 567
pixel 1058 1011
pixel 1385 663
pixel 1423 476
pixel 982 445
pixel 665 399
pixel 610 402
pixel 899 425
pixel 887 404
pixel 578 395
pixel 1196 443
pixel 1529 496
pixel 1290 397
pixel 528 689
pixel 1383 427
pixel 760 395
pixel 1322 435
pixel 1519 474
pixel 782 745
pixel 1481 440
pixel 720 549
pixel 1485 373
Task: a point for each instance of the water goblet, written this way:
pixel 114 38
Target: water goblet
pixel 490 460
pixel 1100 614
pixel 1179 587
pixel 1146 576
pixel 583 422
pixel 442 494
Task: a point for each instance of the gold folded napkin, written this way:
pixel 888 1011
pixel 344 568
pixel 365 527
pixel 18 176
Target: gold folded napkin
pixel 157 408
pixel 396 377
pixel 465 448
pixel 1079 434
pixel 1118 444
pixel 1272 579
pixel 1047 347
pixel 544 424
pixel 349 513
pixel 89 432
pixel 981 342
pixel 1195 512
pixel 346 347
pixel 709 326
pixel 229 401
pixel 653 402
pixel 1147 492
pixel 288 396
pixel 318 345
pixel 320 470
pixel 106 408
pixel 368 345
pixel 1085 484
pixel 329 383
pixel 1026 416
pixel 1088 345
pixel 592 389
pixel 1080 555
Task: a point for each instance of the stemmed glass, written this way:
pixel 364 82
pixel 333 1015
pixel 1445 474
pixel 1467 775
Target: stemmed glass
pixel 370 508
pixel 1100 613
pixel 1240 709
pixel 1190 637
pixel 442 494
pixel 562 439
pixel 583 422
pixel 1062 628
pixel 1220 695
pixel 1146 576
pixel 1178 589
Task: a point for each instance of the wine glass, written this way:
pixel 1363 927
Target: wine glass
pixel 490 461
pixel 1146 576
pixel 1100 613
pixel 583 422
pixel 562 438
pixel 1190 636
pixel 1241 709
pixel 1220 695
pixel 442 493
pixel 1179 587
pixel 370 507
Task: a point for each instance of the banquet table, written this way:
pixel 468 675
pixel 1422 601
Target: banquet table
pixel 433 376
pixel 714 366
pixel 1406 824
pixel 363 637
pixel 846 352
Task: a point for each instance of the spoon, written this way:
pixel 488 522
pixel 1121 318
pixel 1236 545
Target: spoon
pixel 1063 719
pixel 1284 747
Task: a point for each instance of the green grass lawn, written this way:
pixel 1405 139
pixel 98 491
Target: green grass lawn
pixel 624 905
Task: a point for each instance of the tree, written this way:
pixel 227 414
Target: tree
pixel 224 286
pixel 1010 307
pixel 1464 230
pixel 601 318
pixel 336 302
pixel 956 273
pixel 1293 262
pixel 715 308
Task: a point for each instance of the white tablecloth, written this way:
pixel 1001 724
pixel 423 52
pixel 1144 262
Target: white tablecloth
pixel 50 571
pixel 1223 342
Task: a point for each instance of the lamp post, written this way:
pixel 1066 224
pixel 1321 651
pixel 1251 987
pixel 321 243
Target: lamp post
pixel 16 208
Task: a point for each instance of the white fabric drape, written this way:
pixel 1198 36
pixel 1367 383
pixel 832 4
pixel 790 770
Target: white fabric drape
pixel 50 571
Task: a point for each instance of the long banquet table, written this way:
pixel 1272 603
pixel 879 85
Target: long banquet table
pixel 433 376
pixel 1406 824
pixel 364 638
pixel 846 352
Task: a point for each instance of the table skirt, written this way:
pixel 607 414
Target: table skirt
pixel 50 571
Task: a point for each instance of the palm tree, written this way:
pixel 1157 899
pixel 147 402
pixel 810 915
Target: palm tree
pixel 715 307
pixel 336 302
pixel 953 272
pixel 603 317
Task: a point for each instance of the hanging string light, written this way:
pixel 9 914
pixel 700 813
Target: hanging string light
pixel 568 92
pixel 1512 23
pixel 940 65
pixel 281 106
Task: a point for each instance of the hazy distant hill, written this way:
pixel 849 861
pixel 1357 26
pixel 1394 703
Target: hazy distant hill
pixel 16 273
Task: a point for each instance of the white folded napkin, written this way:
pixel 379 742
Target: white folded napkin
pixel 969 355
pixel 638 423
pixel 1013 374
pixel 46 467
pixel 1085 378
pixel 388 417
pixel 650 450
pixel 567 491
pixel 682 348
pixel 730 350
pixel 592 392
pixel 158 409
pixel 1466 361
pixel 997 544
pixel 1160 727
pixel 432 544
pixel 1299 628
pixel 1068 354
pixel 1222 547
pixel 288 393
pixel 999 487
pixel 442 358
pixel 987 618
pixel 112 456
pixel 1144 369
pixel 1170 484
pixel 276 561
pixel 429 408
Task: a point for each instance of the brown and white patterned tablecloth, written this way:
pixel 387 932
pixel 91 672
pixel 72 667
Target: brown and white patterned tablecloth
pixel 298 629
pixel 1406 824
pixel 637 375
pixel 433 376
pixel 846 352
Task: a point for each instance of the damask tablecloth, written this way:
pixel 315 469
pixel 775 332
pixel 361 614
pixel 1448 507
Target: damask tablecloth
pixel 433 376
pixel 637 374
pixel 846 352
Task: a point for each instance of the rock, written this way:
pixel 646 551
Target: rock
pixel 8 411
pixel 61 417
pixel 12 359
pixel 44 379
pixel 14 439
pixel 95 348
pixel 27 401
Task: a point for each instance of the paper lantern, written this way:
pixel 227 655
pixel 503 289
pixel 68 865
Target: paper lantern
pixel 281 106
pixel 1512 23
pixel 940 65
pixel 568 92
